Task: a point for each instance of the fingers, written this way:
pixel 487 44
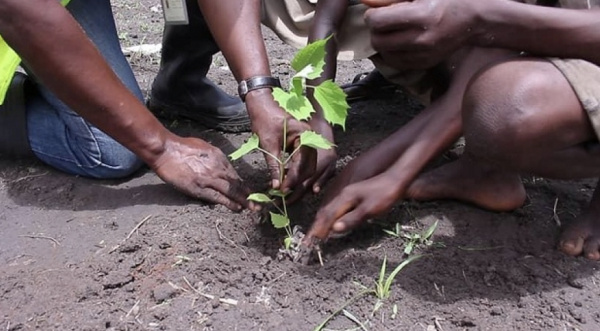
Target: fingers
pixel 403 15
pixel 302 166
pixel 233 189
pixel 380 3
pixel 213 196
pixel 298 192
pixel 275 168
pixel 349 221
pixel 323 178
pixel 329 214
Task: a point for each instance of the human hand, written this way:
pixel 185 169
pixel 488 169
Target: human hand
pixel 202 171
pixel 422 33
pixel 268 123
pixel 326 159
pixel 353 205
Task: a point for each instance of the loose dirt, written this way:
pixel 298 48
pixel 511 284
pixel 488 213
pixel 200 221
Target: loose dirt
pixel 80 254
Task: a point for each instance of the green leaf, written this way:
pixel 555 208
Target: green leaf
pixel 297 87
pixel 306 72
pixel 259 197
pixel 392 276
pixel 382 272
pixel 315 140
pixel 427 234
pixel 279 221
pixel 246 148
pixel 296 105
pixel 314 55
pixel 332 100
pixel 287 242
pixel 278 193
pixel 409 247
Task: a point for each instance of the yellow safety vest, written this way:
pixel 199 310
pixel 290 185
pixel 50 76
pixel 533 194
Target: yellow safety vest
pixel 9 61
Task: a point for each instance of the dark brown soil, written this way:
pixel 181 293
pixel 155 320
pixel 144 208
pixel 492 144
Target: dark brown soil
pixel 79 254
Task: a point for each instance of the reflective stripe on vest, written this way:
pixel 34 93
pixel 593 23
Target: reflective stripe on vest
pixel 9 61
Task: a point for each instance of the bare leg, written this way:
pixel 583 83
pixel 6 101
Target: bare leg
pixel 521 116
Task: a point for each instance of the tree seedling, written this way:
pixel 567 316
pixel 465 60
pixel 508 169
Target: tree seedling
pixel 308 64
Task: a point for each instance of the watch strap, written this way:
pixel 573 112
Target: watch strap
pixel 255 83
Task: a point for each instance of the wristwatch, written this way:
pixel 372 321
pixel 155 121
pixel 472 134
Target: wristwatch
pixel 255 83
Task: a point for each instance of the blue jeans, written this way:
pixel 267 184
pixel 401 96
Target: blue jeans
pixel 60 137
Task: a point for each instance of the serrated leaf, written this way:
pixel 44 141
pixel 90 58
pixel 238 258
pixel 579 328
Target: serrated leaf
pixel 315 140
pixel 296 105
pixel 332 100
pixel 246 147
pixel 259 197
pixel 306 72
pixel 297 87
pixel 279 221
pixel 314 55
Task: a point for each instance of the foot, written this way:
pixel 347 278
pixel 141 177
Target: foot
pixel 582 237
pixel 209 106
pixel 464 181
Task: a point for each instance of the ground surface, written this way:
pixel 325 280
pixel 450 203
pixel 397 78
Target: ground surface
pixel 78 254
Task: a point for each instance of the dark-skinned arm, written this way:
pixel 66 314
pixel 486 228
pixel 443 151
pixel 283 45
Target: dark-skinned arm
pixel 371 184
pixel 57 50
pixel 235 25
pixel 422 33
pixel 542 31
pixel 329 15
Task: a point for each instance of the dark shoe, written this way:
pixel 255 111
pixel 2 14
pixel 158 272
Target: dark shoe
pixel 366 86
pixel 229 116
pixel 181 88
pixel 14 140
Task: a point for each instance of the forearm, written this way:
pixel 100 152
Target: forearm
pixel 538 30
pixel 235 25
pixel 431 132
pixel 329 15
pixel 55 48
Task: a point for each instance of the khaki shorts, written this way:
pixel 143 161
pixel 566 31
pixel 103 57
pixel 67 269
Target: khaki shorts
pixel 584 78
pixel 291 21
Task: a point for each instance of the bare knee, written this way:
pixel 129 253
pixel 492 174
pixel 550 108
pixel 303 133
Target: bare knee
pixel 502 108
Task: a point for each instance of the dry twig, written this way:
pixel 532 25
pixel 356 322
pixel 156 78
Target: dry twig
pixel 232 302
pixel 42 237
pixel 138 226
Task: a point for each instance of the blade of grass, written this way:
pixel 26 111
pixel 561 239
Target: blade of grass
pixel 353 319
pixel 346 304
pixel 392 276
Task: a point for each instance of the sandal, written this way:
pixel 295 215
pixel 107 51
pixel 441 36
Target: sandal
pixel 368 85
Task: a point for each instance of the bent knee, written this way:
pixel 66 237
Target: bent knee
pixel 504 104
pixel 116 164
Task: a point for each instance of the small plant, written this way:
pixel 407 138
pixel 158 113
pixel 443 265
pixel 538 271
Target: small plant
pixel 382 291
pixel 413 239
pixel 308 64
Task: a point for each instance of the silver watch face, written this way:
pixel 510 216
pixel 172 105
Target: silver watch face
pixel 243 89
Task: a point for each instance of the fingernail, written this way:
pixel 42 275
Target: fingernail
pixel 275 183
pixel 316 189
pixel 339 227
